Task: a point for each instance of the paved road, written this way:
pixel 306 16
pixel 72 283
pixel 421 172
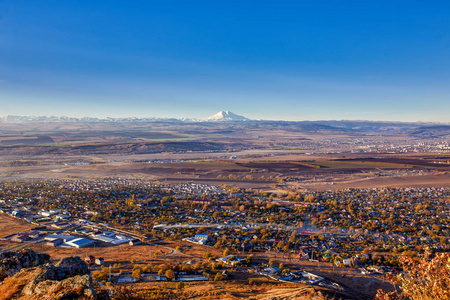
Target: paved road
pixel 21 245
pixel 173 250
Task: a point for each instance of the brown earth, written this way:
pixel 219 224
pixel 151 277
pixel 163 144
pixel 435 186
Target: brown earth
pixel 259 289
pixel 440 180
pixel 122 254
pixel 10 225
pixel 316 175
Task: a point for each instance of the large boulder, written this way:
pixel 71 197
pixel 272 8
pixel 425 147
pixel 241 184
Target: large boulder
pixel 76 287
pixel 49 272
pixel 73 266
pixel 12 262
pixel 68 279
pixel 66 267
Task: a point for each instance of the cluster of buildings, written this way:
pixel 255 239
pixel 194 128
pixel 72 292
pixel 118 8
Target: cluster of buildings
pixel 311 225
pixel 188 189
pixel 59 228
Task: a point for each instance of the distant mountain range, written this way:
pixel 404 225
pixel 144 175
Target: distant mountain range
pixel 419 129
pixel 220 116
pixel 224 123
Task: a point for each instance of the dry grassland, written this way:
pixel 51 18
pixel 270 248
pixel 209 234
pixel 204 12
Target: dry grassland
pixel 10 225
pixel 226 290
pixel 122 254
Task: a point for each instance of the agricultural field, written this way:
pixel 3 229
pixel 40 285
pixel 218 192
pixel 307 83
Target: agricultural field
pixel 324 171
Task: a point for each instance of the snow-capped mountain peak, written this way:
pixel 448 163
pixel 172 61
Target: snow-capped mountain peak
pixel 226 116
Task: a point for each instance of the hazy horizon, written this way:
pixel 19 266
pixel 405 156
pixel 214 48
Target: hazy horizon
pixel 302 60
pixel 205 119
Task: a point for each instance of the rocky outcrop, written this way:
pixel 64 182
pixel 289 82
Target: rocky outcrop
pixel 12 262
pixel 68 278
pixel 72 266
pixel 66 267
pixel 79 286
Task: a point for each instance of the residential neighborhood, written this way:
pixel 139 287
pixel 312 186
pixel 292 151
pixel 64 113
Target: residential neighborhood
pixel 364 229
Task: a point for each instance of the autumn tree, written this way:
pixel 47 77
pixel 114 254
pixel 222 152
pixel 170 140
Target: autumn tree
pixel 136 273
pixel 422 280
pixel 99 275
pixel 170 275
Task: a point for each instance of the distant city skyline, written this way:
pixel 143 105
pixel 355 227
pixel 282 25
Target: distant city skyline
pixel 285 60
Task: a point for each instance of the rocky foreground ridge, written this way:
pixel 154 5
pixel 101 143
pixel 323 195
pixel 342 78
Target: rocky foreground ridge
pixel 28 275
pixel 12 262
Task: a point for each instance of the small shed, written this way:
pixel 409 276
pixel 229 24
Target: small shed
pixel 99 261
pixel 135 242
pixel 347 262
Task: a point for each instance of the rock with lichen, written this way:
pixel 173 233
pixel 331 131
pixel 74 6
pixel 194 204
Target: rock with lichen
pixel 12 262
pixel 68 278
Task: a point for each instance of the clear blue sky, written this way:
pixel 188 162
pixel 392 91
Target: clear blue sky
pixel 293 60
